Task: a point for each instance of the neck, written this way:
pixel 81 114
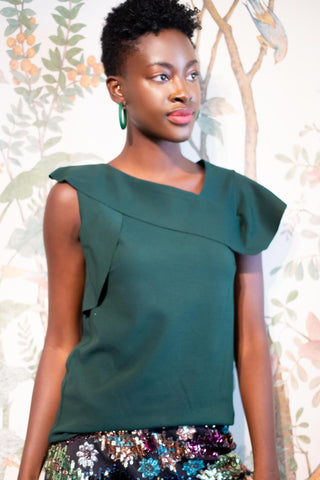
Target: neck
pixel 158 158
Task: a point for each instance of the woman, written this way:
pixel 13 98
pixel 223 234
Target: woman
pixel 145 257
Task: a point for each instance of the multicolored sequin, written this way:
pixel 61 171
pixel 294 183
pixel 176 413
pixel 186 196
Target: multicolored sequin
pixel 183 453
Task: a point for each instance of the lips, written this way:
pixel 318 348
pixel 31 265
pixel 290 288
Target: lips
pixel 181 117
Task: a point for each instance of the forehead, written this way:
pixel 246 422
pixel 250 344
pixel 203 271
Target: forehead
pixel 168 46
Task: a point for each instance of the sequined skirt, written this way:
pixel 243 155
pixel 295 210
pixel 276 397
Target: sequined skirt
pixel 177 453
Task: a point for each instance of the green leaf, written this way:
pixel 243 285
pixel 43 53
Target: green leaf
pixel 275 270
pixel 299 413
pixel 299 272
pixel 11 118
pixel 292 296
pixel 210 126
pixel 304 438
pixel 13 56
pixel 8 12
pixel 313 269
pixel 54 127
pixel 24 20
pixel 60 20
pixel 276 302
pixel 72 52
pixel 289 268
pixel 36 47
pixel 66 100
pixel 276 318
pixel 62 80
pixel 6 130
pixel 13 2
pixel 29 12
pixel 9 310
pixel 35 93
pixel 291 173
pixel 55 55
pixel 292 314
pixel 70 91
pixel 79 90
pixel 305 155
pixel 73 62
pixel 30 30
pixel 283 158
pixel 20 134
pixel 39 123
pixel 10 30
pixel 75 11
pixel 217 106
pixel 50 65
pixel 51 142
pixel 75 39
pixel 304 425
pixel 28 240
pixel 296 151
pixel 19 76
pixel 21 187
pixel 76 27
pixel 57 40
pixel 3 144
pixel 51 90
pixel 49 78
pixel 64 12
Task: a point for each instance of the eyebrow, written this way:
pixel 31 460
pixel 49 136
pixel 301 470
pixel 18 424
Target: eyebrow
pixel 169 65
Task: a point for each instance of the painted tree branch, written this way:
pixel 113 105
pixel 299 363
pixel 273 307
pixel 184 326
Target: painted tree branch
pixel 245 90
pixel 257 64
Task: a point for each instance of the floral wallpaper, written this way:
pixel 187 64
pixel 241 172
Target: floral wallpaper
pixel 259 115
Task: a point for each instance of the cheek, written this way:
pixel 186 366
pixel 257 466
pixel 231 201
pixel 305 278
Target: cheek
pixel 146 99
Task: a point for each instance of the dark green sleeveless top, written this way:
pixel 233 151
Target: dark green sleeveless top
pixel 157 344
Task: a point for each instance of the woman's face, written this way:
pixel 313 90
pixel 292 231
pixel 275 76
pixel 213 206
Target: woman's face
pixel 161 87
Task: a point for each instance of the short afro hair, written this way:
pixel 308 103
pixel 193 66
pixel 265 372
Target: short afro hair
pixel 134 18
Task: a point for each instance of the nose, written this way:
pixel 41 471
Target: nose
pixel 180 91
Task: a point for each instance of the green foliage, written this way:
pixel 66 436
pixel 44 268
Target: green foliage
pixel 210 126
pixel 285 310
pixel 27 241
pixel 9 310
pixel 21 187
pixel 29 350
pixel 300 164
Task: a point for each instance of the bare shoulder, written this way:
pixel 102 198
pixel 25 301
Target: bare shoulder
pixel 62 216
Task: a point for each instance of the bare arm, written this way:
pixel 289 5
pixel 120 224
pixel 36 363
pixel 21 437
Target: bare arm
pixel 253 366
pixel 66 271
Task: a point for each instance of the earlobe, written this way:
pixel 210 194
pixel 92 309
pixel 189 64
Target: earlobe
pixel 115 89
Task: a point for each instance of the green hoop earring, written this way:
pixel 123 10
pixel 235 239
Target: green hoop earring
pixel 122 116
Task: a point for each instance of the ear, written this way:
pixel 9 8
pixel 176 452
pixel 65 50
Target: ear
pixel 114 85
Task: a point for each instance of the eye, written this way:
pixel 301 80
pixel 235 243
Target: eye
pixel 162 77
pixel 193 76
